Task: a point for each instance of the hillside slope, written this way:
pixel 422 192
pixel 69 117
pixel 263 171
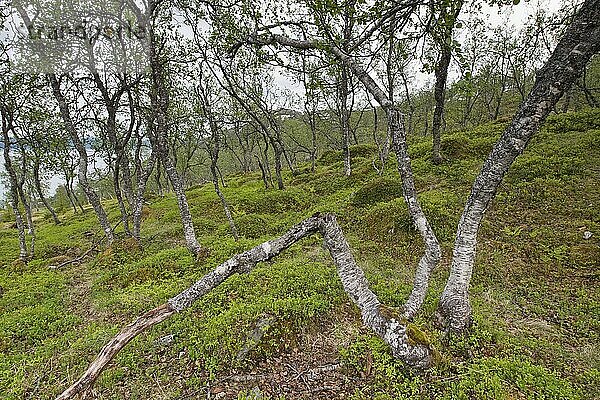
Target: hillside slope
pixel 287 328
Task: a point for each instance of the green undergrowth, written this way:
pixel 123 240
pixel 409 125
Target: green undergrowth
pixel 535 295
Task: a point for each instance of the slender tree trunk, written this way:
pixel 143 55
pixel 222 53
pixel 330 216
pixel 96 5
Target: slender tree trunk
pixel 119 196
pixel 580 41
pixel 441 76
pixel 313 140
pixel 215 180
pixel 69 190
pixel 40 192
pixel 159 188
pixel 83 159
pixel 345 119
pixel 25 201
pixel 262 172
pixel 14 192
pixel 433 252
pixel 160 103
pixel 138 205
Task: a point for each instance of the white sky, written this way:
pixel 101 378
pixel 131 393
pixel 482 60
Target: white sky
pixel 515 16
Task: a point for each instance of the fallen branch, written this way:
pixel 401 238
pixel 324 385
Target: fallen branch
pixel 393 331
pixel 77 259
pixel 87 252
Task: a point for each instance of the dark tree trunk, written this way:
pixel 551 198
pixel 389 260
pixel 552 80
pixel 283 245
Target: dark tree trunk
pixel 441 76
pixel 262 172
pixel 345 119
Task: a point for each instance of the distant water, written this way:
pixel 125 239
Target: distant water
pixel 52 184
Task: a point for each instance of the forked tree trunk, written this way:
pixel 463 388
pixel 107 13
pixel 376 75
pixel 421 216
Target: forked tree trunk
pixel 142 174
pixel 138 204
pixel 392 329
pixel 119 196
pixel 579 43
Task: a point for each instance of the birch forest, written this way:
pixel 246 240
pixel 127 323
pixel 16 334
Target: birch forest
pixel 320 199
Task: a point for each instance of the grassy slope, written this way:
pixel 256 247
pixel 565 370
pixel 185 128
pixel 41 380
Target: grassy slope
pixel 535 288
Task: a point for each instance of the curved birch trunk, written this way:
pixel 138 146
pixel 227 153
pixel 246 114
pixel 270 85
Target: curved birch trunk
pixel 433 252
pixel 395 332
pixel 579 43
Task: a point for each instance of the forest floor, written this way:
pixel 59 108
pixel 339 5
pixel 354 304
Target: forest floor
pixel 287 329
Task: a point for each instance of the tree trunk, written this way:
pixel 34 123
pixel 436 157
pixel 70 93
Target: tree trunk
pixel 215 179
pixel 441 76
pixel 433 252
pixel 25 201
pixel 278 153
pixel 83 159
pixel 160 103
pixel 119 196
pixel 138 205
pixel 345 119
pixel 388 326
pixel 580 41
pixel 40 192
pixel 262 172
pixel 14 192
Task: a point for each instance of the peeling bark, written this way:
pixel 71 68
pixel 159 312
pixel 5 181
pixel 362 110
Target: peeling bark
pixel 433 252
pixel 395 332
pixel 579 43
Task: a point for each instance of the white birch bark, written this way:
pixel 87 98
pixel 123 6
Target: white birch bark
pixel 580 41
pixel 394 332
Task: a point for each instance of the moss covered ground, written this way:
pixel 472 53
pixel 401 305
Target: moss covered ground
pixel 535 290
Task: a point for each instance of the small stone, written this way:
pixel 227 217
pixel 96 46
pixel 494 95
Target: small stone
pixel 165 340
pixel 587 235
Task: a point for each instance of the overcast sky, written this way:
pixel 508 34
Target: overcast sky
pixel 516 16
